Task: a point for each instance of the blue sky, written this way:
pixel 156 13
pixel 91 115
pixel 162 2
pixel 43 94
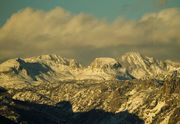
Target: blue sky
pixel 107 9
pixel 74 35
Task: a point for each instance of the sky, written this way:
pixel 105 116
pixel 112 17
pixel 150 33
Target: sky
pixel 85 29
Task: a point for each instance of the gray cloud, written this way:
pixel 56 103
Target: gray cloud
pixel 32 32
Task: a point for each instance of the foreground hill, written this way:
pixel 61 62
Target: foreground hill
pixel 93 102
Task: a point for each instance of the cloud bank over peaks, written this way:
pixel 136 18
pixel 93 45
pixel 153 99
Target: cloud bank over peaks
pixel 34 32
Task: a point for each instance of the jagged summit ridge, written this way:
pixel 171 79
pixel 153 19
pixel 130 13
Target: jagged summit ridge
pixel 48 59
pixel 143 67
pixel 134 58
pixel 130 65
pixel 104 69
pixel 105 64
pixel 52 58
pixel 39 68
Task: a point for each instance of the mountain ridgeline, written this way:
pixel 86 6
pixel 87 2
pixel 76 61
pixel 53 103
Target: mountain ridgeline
pixel 49 89
pixel 130 66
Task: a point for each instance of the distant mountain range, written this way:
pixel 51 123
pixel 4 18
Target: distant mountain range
pixel 49 89
pixel 131 65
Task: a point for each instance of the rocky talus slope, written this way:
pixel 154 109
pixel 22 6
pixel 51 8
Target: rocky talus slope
pixel 87 102
pixel 50 89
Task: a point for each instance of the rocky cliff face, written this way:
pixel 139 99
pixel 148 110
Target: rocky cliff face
pixel 143 67
pixel 95 102
pixel 51 89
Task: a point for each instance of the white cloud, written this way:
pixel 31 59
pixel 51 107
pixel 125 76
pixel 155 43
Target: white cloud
pixel 31 32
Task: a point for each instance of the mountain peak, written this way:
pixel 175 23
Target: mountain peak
pixel 54 59
pixel 104 63
pixel 46 57
pixel 143 67
pixel 49 56
pixel 132 56
pixel 131 63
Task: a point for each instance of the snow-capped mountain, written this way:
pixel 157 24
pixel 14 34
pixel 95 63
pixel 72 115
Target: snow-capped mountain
pixel 59 90
pixel 104 69
pixel 143 67
pixel 52 67
pixel 43 68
